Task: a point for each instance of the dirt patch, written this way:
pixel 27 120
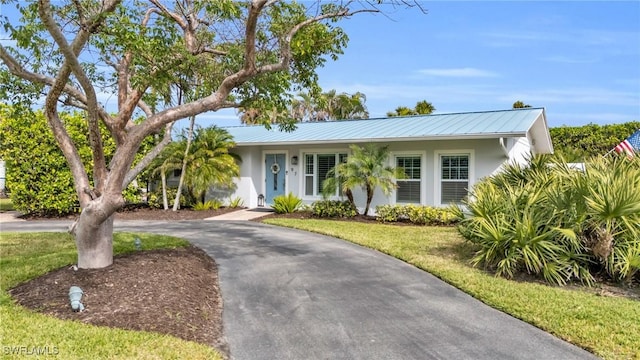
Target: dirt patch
pixel 169 291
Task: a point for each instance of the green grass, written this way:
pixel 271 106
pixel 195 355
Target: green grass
pixel 24 256
pixel 606 326
pixel 6 205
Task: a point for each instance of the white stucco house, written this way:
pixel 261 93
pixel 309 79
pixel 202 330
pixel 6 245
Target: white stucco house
pixel 443 155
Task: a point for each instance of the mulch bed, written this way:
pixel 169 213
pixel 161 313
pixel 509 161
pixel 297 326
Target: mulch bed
pixel 169 291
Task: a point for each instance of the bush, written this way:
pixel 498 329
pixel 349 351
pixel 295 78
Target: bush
pixel 37 172
pixel 236 202
pixel 214 204
pixel 334 208
pixel 391 213
pixel 286 204
pixel 420 215
pixel 559 223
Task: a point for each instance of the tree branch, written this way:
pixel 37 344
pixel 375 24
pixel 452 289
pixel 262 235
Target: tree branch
pixel 148 158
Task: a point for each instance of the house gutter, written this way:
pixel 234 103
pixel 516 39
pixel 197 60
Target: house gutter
pixel 368 140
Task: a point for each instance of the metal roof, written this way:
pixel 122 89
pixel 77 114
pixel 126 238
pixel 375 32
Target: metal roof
pixel 486 124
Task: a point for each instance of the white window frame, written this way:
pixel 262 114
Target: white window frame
pixel 437 177
pixel 303 171
pixel 423 173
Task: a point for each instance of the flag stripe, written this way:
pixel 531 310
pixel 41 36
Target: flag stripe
pixel 630 145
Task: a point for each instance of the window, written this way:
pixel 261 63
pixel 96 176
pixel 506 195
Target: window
pixel 454 178
pixel 316 167
pixel 409 188
pixel 177 172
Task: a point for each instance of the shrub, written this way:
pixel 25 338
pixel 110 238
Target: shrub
pixel 286 204
pixel 37 172
pixel 236 202
pixel 416 214
pixel 391 213
pixel 214 204
pixel 559 223
pixel 334 208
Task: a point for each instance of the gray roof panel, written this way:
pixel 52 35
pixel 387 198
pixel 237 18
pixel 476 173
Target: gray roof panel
pixel 513 122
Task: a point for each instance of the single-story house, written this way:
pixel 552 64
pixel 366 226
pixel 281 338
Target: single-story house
pixel 443 155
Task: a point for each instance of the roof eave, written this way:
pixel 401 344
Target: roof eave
pixel 390 139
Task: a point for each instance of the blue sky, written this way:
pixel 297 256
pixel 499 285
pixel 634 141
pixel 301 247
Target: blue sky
pixel 578 59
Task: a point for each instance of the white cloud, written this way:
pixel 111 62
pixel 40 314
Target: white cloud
pixel 458 72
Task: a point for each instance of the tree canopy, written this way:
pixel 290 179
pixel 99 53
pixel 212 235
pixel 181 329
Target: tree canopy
pixel 422 108
pixel 579 143
pixel 520 105
pixel 307 106
pixel 116 60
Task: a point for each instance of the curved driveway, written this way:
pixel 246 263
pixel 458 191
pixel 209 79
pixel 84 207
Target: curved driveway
pixel 290 294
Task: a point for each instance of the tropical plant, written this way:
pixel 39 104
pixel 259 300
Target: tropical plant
pixel 213 204
pixel 207 164
pixel 520 105
pixel 286 204
pixel 549 219
pixel 364 168
pixel 314 106
pixel 234 54
pixel 422 108
pixel 236 202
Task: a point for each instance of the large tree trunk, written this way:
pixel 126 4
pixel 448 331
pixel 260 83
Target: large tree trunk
pixel 94 241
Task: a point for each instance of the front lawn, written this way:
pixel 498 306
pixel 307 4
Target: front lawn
pixel 607 326
pixel 24 256
pixel 6 204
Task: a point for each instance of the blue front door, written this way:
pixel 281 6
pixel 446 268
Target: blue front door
pixel 275 171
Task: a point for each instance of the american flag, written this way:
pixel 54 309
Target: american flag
pixel 630 145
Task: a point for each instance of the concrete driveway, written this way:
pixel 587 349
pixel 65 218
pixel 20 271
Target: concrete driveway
pixel 290 294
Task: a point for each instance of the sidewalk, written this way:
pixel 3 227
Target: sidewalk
pixel 8 216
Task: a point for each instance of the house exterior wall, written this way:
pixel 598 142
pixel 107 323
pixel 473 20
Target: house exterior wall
pixel 486 156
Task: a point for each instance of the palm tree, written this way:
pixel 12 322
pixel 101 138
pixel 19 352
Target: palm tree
pixel 169 159
pixel 422 108
pixel 365 168
pixel 210 163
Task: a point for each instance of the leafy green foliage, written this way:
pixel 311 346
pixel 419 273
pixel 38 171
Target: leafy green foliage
pixel 209 162
pixel 365 168
pixel 236 202
pixel 334 209
pixel 551 220
pixel 579 143
pixel 154 198
pixel 416 214
pixel 37 172
pixel 286 204
pixel 422 108
pixel 214 204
